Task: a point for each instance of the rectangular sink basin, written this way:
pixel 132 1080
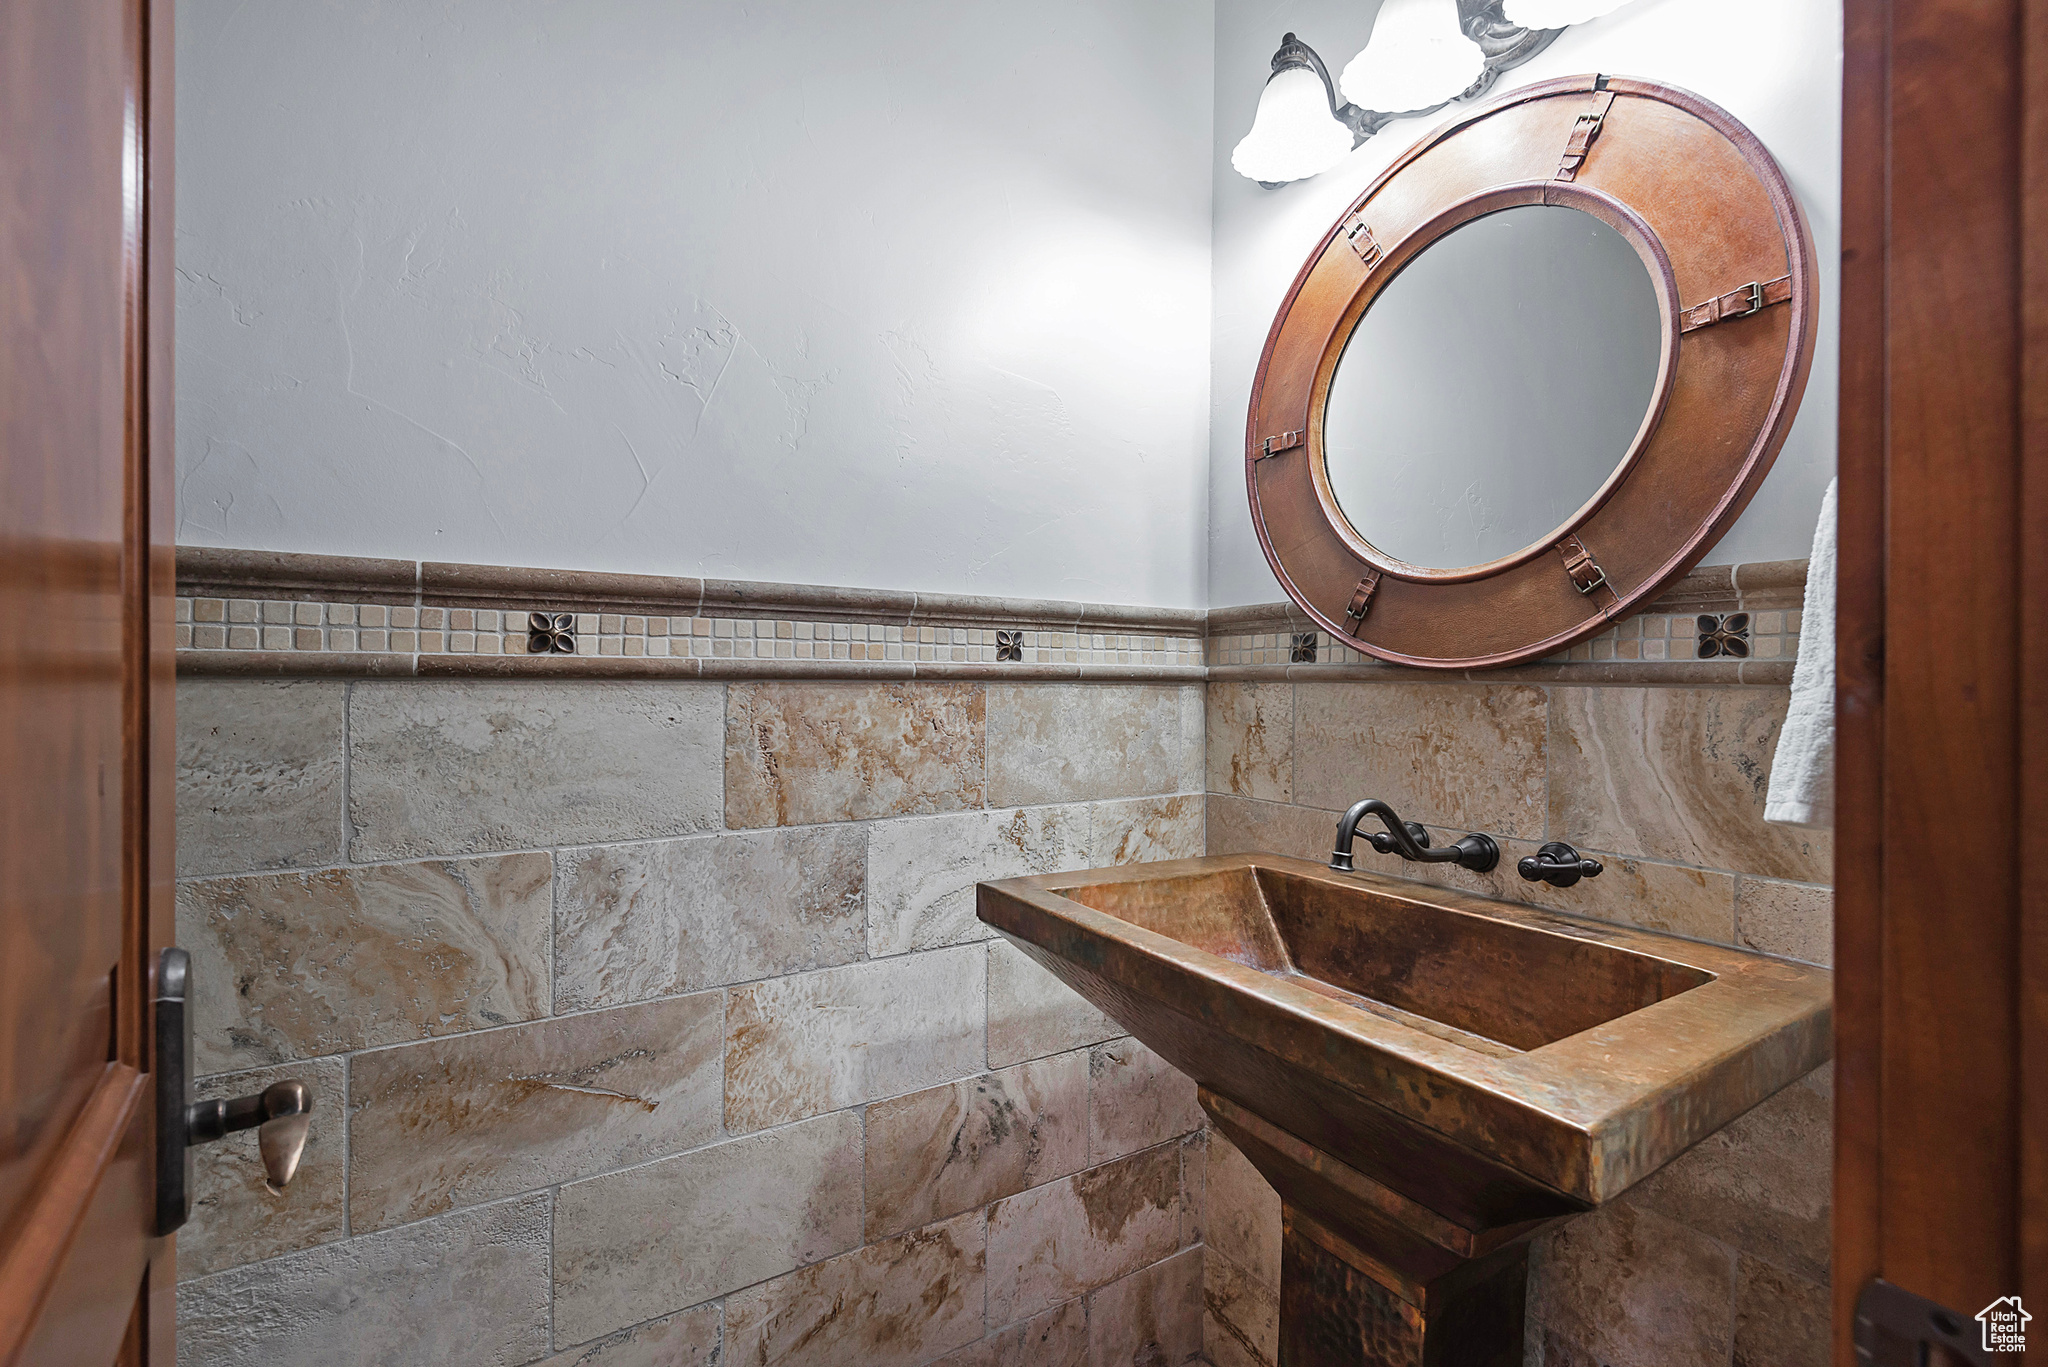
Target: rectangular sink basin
pixel 1495 1063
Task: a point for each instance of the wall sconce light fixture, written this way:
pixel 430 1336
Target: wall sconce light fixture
pixel 1422 55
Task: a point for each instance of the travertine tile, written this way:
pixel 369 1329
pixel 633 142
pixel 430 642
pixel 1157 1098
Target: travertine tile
pixel 1151 1318
pixel 690 1339
pixel 1251 740
pixel 903 1300
pixel 365 1301
pixel 676 1232
pixel 458 1121
pixel 652 919
pixel 1194 738
pixel 1031 1013
pixel 1056 1338
pixel 1136 1099
pixel 802 753
pixel 1464 755
pixel 1636 1290
pixel 1241 826
pixel 922 870
pixel 1141 829
pixel 814 1042
pixel 1676 774
pixel 295 965
pixel 1058 1241
pixel 259 774
pixel 1780 1320
pixel 1791 920
pixel 1078 742
pixel 235 1220
pixel 1194 1191
pixel 1242 1217
pixel 1761 1183
pixel 459 767
pixel 1240 1314
pixel 957 1147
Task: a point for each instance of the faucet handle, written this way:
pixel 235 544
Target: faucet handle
pixel 281 1115
pixel 1559 865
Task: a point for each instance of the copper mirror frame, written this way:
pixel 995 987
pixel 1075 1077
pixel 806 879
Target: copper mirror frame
pixel 1715 222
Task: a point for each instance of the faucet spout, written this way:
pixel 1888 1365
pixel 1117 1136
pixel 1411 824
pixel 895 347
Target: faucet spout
pixel 1409 840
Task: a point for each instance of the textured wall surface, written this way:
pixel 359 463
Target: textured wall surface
pixel 910 295
pixel 651 1021
pixel 1723 1255
pixel 1774 64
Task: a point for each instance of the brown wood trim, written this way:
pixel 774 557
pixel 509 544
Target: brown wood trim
pixel 1513 610
pixel 63 1201
pixel 2033 609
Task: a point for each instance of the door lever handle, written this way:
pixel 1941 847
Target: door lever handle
pixel 281 1113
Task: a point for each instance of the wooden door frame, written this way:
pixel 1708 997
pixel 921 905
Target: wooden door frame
pixel 73 1261
pixel 1941 949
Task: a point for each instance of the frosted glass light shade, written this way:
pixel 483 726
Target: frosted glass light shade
pixel 1294 135
pixel 1557 13
pixel 1418 57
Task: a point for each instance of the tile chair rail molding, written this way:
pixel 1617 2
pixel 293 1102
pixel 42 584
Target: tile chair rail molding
pixel 284 614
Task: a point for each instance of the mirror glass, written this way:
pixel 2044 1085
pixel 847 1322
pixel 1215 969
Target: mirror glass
pixel 1493 386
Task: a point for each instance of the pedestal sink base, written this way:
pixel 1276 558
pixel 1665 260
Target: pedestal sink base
pixel 1332 1314
pixel 1372 1278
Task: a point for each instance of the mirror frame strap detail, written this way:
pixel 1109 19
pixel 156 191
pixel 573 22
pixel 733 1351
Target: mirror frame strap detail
pixel 1703 203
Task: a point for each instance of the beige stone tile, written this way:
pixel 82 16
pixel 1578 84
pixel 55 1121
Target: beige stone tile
pixel 1554 1348
pixel 1031 1013
pixel 679 1231
pixel 1061 1240
pixel 471 1287
pixel 1464 755
pixel 1242 1217
pixel 1142 829
pixel 690 1339
pixel 1251 740
pixel 1152 1318
pixel 1194 1186
pixel 1136 1099
pixel 922 870
pixel 1636 1290
pixel 802 753
pixel 460 1121
pixel 1079 742
pixel 1194 742
pixel 295 965
pixel 1791 920
pixel 259 774
pixel 901 1301
pixel 235 1219
pixel 463 766
pixel 1240 1314
pixel 668 916
pixel 1676 774
pixel 1780 1320
pixel 1056 1338
pixel 1761 1183
pixel 1241 826
pixel 957 1147
pixel 1696 903
pixel 814 1042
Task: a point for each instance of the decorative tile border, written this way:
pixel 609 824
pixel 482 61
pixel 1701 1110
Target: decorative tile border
pixel 271 613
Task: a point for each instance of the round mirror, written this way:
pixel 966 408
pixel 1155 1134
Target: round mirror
pixel 1492 387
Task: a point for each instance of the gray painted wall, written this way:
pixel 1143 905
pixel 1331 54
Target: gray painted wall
pixel 1774 64
pixel 907 295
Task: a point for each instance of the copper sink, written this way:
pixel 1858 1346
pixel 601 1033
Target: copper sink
pixel 1425 1076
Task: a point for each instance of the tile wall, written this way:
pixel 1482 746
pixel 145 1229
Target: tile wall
pixel 1720 1258
pixel 649 1022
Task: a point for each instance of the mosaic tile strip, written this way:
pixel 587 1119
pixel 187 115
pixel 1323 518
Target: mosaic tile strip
pixel 238 624
pixel 1651 637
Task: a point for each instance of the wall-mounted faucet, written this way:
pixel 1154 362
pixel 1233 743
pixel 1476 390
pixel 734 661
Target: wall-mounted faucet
pixel 1407 839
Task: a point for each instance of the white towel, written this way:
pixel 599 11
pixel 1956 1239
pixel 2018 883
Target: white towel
pixel 1803 774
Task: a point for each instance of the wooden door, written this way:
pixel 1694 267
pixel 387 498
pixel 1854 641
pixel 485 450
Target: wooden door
pixel 86 596
pixel 1941 946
